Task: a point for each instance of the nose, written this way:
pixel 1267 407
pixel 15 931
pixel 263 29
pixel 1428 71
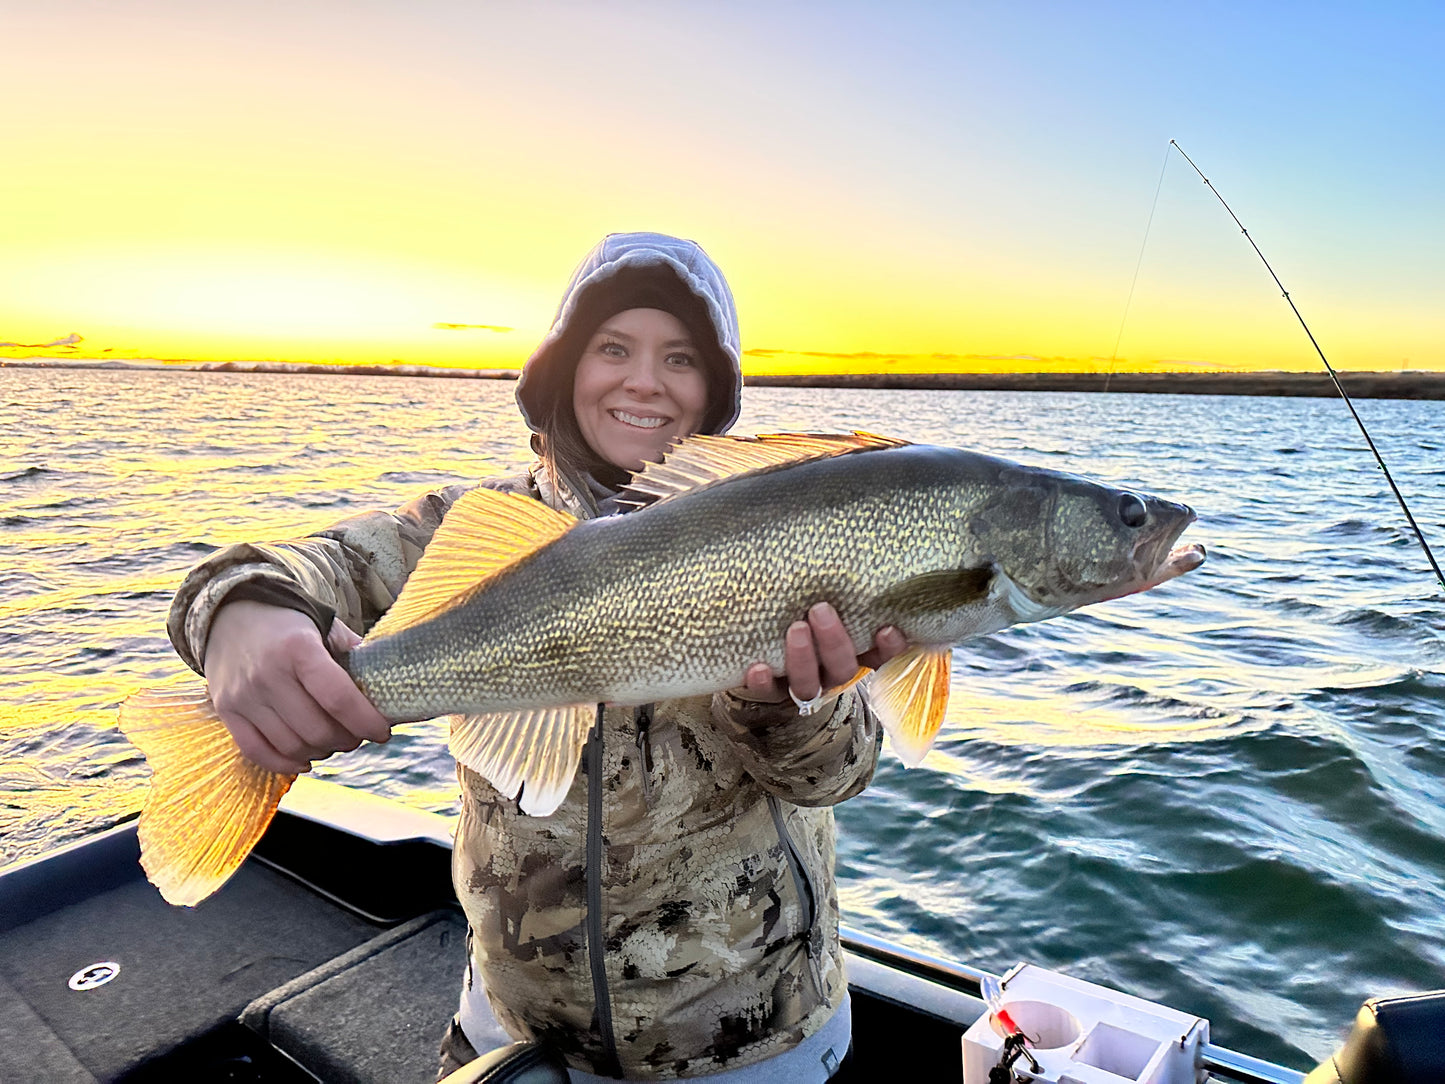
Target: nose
pixel 642 378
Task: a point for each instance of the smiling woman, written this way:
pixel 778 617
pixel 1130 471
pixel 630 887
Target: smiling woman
pixel 639 386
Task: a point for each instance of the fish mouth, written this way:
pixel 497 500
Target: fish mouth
pixel 1181 559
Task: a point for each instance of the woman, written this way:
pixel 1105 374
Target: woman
pixel 676 917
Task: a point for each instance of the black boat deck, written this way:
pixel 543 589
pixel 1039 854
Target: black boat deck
pixel 352 974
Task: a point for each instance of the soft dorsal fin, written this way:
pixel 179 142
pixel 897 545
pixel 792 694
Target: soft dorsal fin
pixel 483 533
pixel 704 460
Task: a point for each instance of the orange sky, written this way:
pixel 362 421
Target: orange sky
pixel 884 192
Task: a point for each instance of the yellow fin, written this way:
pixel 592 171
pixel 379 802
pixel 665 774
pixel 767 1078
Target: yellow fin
pixel 909 693
pixel 534 753
pixel 838 690
pixel 481 534
pixel 703 460
pixel 208 805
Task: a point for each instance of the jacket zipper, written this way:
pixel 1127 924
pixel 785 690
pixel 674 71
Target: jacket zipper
pixel 642 719
pixel 596 945
pixel 807 895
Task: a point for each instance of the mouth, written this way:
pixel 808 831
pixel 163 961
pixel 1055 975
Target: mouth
pixel 639 421
pixel 1181 559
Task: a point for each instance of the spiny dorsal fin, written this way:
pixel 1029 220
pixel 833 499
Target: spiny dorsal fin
pixel 909 694
pixel 207 805
pixel 704 459
pixel 532 752
pixel 482 533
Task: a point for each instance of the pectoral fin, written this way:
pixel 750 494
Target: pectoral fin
pixel 838 690
pixel 207 806
pixel 941 591
pixel 531 753
pixel 909 693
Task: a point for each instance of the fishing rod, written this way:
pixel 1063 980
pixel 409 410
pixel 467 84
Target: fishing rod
pixel 1334 376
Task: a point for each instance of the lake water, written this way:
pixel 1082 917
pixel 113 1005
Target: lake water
pixel 1227 795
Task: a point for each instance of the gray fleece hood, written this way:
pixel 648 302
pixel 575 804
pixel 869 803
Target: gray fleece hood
pixel 669 273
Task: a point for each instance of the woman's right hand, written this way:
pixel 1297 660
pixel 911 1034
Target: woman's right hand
pixel 282 696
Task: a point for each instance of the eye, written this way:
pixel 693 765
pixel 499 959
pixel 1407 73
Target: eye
pixel 612 349
pixel 681 361
pixel 1132 511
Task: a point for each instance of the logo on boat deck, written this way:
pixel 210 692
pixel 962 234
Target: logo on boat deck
pixel 88 978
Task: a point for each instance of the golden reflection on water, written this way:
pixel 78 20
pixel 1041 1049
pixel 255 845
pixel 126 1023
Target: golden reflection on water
pixel 55 784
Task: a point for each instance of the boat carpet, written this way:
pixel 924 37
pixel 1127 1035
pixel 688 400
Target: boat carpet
pixel 31 1051
pixel 375 1015
pixel 184 972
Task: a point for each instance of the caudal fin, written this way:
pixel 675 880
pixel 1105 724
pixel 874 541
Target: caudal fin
pixel 207 806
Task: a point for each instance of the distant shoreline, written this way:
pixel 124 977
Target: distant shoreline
pixel 1408 384
pixel 1359 385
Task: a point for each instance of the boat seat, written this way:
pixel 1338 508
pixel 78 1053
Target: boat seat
pixel 376 1014
pixel 1395 1040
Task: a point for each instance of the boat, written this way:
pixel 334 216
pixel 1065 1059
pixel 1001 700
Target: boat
pixel 336 952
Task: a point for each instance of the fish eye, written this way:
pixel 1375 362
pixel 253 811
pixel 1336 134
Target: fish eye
pixel 1132 511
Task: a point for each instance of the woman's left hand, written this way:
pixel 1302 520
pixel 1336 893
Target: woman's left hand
pixel 817 655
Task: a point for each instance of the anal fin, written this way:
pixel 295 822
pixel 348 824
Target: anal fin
pixel 838 690
pixel 909 693
pixel 531 753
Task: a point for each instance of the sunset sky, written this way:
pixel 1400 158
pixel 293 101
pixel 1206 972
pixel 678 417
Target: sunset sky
pixel 909 186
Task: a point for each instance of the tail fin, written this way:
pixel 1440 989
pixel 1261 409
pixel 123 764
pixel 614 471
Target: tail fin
pixel 208 805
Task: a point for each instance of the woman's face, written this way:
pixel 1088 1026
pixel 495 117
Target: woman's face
pixel 639 386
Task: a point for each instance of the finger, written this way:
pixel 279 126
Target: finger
pixel 256 748
pixel 760 679
pixel 888 642
pixel 800 659
pixel 341 639
pixel 336 697
pixel 834 646
pixel 301 733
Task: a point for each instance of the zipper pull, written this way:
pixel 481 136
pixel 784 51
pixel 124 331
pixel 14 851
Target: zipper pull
pixel 642 719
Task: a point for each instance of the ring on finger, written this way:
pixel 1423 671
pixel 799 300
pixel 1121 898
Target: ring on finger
pixel 806 707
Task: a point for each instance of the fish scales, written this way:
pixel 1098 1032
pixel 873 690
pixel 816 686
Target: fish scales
pixel 687 592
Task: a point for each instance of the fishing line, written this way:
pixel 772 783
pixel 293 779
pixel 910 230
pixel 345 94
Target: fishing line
pixel 1137 264
pixel 1334 377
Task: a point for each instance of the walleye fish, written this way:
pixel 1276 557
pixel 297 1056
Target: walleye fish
pixel 518 619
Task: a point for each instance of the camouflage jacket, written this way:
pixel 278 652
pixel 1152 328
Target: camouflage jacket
pixel 677 915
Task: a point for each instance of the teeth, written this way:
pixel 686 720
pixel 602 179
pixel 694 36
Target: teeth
pixel 642 423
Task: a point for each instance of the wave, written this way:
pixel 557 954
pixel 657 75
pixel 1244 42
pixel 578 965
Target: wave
pixel 25 473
